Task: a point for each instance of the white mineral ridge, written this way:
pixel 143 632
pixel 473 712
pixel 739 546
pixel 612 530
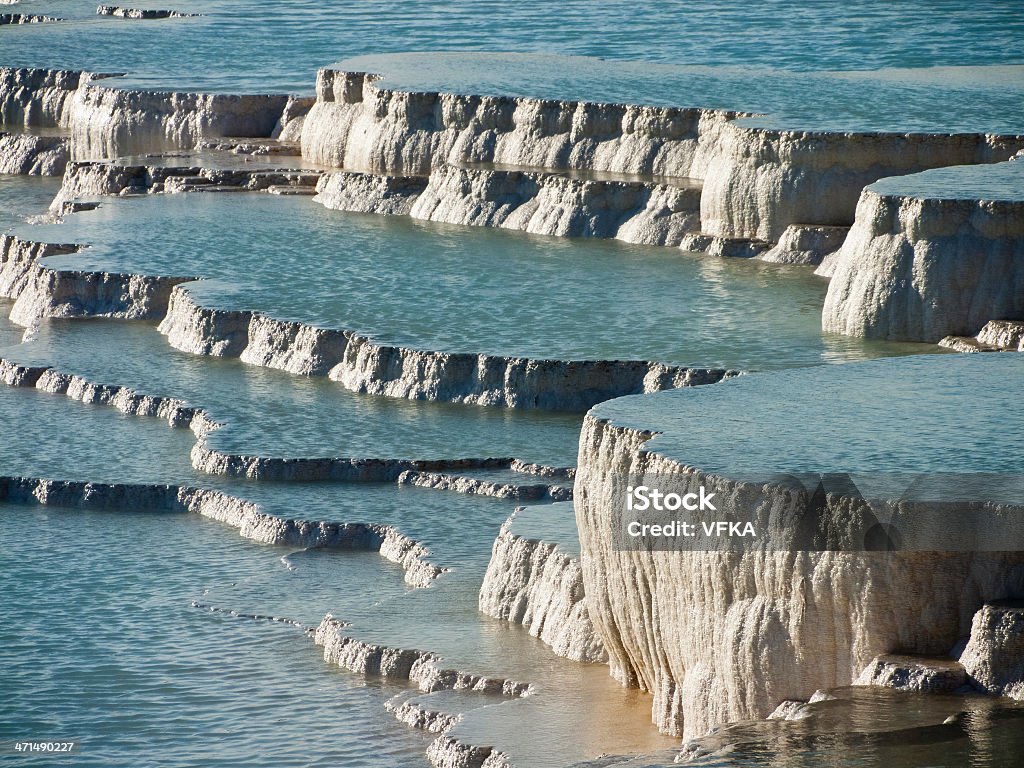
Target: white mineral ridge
pixel 30 155
pixel 537 584
pixel 246 516
pixel 994 656
pixel 551 204
pixel 919 269
pixel 760 181
pixel 718 636
pixel 104 121
pixel 362 365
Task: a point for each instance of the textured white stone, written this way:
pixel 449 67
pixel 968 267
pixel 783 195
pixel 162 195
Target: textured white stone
pixel 718 636
pixel 27 154
pixel 805 244
pixel 760 181
pixel 920 269
pixel 914 673
pixel 357 125
pixel 537 584
pixel 994 656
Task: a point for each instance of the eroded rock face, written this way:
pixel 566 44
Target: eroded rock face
pixel 996 336
pixel 550 204
pixel 140 13
pixel 33 155
pixel 250 520
pixel 359 126
pixel 103 121
pixel 540 585
pixel 805 244
pixel 26 18
pixel 994 656
pixel 363 365
pixel 914 673
pixel 919 269
pixel 723 636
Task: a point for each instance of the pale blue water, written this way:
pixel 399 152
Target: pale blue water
pixel 122 647
pixel 22 197
pixel 465 289
pixel 924 414
pixel 711 53
pixel 942 99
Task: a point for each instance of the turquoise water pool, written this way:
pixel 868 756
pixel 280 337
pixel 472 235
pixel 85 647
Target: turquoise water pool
pixel 465 289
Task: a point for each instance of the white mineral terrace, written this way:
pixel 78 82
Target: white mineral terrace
pixel 380 318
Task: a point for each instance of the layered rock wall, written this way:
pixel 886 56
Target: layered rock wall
pixel 760 181
pixel 357 125
pixel 920 268
pixel 720 636
pixel 539 585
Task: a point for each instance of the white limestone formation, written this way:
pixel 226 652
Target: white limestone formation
pixel 446 481
pixel 805 245
pixel 369 193
pixel 994 656
pixel 723 636
pixel 140 13
pixel 104 121
pixel 357 125
pixel 422 668
pixel 920 674
pixel 760 181
pixel 363 365
pixel 539 585
pixel 250 520
pixel 96 179
pixel 922 263
pixel 995 336
pixel 544 203
pixel 26 18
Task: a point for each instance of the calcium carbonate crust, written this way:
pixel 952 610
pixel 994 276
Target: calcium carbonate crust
pixel 719 636
pixel 537 584
pixel 252 523
pixel 916 268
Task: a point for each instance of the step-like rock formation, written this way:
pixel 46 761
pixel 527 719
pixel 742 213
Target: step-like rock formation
pixel 994 656
pixel 541 203
pixel 805 245
pixel 104 121
pixel 921 674
pixel 355 361
pixel 539 584
pixel 422 668
pixel 369 193
pixel 363 365
pixel 141 13
pixel 94 179
pixel 760 181
pixel 31 155
pixel 996 336
pixel 358 125
pixel 724 634
pixel 932 255
pixel 26 18
pixel 250 520
pixel 447 481
pixel 40 291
